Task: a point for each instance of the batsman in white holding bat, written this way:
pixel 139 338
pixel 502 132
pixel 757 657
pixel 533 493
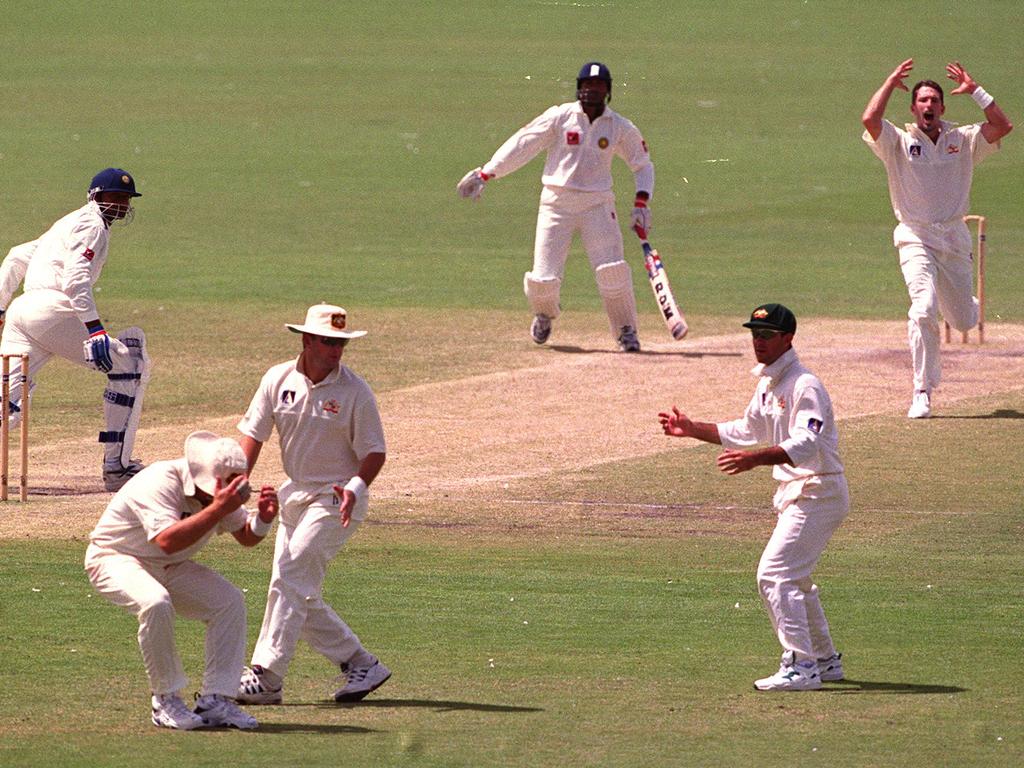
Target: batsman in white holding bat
pixel 580 138
pixel 56 315
pixel 791 414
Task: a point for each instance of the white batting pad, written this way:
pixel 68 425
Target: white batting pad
pixel 615 284
pixel 543 295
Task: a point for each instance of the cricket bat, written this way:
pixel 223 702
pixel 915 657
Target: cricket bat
pixel 674 319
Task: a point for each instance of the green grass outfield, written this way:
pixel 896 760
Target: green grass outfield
pixel 292 152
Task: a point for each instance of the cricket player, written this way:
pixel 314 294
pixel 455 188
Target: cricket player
pixel 56 315
pixel 332 448
pixel 791 414
pixel 140 558
pixel 929 163
pixel 580 138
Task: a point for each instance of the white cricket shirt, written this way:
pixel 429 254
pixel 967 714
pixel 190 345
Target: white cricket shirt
pixel 790 409
pixel 69 257
pixel 156 498
pixel 930 183
pixel 325 430
pixel 579 152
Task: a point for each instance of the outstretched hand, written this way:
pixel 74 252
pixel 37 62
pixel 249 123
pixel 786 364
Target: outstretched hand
pixel 675 424
pixel 733 462
pixel 900 74
pixel 956 73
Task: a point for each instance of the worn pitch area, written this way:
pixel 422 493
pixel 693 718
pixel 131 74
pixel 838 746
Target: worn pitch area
pixel 573 406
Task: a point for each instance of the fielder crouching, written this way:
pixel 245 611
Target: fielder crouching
pixel 792 413
pixel 140 558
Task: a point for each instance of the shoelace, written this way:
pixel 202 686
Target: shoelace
pixel 174 706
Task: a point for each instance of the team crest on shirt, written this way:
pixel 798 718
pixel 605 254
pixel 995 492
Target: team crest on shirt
pixel 89 253
pixel 602 143
pixel 332 406
pixel 915 150
pixel 288 397
pixel 953 149
pixel 782 403
pixel 572 138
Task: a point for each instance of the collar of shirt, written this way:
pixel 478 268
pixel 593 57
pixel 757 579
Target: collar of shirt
pixel 776 370
pixel 330 378
pixel 945 129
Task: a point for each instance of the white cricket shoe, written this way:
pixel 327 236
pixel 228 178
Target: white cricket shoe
pixel 540 329
pixel 831 669
pixel 362 680
pixel 793 675
pixel 219 710
pixel 628 341
pixel 169 711
pixel 114 478
pixel 920 406
pixel 253 688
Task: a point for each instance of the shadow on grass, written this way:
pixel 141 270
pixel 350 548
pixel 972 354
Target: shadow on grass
pixel 437 705
pixel 321 728
pixel 870 686
pixel 573 350
pixel 999 413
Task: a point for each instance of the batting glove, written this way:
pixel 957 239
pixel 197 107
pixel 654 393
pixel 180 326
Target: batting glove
pixel 97 350
pixel 641 219
pixel 472 184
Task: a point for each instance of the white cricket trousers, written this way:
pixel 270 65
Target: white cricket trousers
pixel 938 282
pixel 155 594
pixel 561 215
pixel 803 529
pixel 41 324
pixel 309 535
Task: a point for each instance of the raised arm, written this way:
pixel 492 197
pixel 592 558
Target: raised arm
pixel 875 110
pixel 997 124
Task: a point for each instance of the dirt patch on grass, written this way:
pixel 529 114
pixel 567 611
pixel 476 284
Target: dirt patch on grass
pixel 564 408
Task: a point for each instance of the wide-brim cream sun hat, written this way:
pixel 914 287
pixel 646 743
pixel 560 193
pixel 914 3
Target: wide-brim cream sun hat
pixel 326 320
pixel 211 458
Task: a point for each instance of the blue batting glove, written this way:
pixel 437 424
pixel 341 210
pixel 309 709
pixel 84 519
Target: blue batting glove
pixel 97 350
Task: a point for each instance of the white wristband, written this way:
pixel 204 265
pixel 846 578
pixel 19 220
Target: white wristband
pixel 358 486
pixel 257 526
pixel 982 97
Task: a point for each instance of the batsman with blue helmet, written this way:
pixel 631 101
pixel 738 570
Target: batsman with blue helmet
pixel 56 314
pixel 580 138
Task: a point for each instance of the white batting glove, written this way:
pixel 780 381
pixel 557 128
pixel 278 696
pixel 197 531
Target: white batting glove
pixel 472 184
pixel 641 219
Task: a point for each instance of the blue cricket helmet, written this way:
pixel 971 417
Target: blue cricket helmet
pixel 594 69
pixel 113 180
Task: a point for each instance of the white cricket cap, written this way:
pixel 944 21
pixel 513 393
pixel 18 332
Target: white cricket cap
pixel 326 320
pixel 211 458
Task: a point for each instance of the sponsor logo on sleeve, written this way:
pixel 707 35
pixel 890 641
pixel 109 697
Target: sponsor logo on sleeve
pixel 572 138
pixel 89 253
pixel 814 425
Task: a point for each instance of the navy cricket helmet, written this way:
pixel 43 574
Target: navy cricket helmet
pixel 594 69
pixel 113 180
